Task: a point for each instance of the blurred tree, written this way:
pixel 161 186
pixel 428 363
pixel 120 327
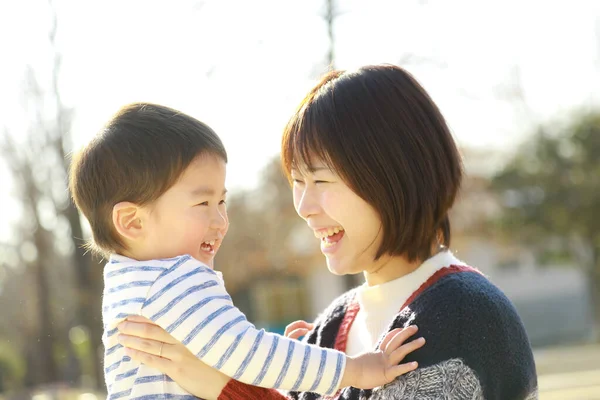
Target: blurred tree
pixel 551 195
pixel 262 268
pixel 260 221
pixel 51 227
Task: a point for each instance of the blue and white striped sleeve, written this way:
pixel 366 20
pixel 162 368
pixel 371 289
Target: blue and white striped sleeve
pixel 190 302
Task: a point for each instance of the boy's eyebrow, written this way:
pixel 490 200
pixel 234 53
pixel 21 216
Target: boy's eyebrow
pixel 206 191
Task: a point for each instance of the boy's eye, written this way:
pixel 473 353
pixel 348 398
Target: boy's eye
pixel 223 202
pixel 204 203
pixel 296 180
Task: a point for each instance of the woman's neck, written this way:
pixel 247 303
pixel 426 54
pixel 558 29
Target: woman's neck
pixel 388 269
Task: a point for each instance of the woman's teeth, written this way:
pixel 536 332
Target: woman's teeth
pixel 322 234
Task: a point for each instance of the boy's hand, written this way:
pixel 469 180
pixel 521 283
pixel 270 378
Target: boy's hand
pixel 370 370
pixel 298 329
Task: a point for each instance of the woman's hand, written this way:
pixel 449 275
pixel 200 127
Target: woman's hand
pixel 298 329
pixel 153 346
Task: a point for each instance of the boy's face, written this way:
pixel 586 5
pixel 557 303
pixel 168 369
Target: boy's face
pixel 190 217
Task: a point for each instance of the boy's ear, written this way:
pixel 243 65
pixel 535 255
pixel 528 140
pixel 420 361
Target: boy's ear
pixel 126 217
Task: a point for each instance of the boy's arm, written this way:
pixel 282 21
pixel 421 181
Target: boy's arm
pixel 190 302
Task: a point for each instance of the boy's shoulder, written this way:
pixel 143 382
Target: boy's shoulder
pixel 120 267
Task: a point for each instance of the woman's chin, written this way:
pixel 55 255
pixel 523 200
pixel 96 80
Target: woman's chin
pixel 338 268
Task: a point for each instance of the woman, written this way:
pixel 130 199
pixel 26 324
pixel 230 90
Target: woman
pixel 375 171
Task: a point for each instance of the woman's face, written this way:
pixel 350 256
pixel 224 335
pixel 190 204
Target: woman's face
pixel 349 229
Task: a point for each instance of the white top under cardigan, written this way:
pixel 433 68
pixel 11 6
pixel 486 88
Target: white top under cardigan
pixel 379 304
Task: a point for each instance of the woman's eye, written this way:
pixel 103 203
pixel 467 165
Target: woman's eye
pixel 298 181
pixel 320 181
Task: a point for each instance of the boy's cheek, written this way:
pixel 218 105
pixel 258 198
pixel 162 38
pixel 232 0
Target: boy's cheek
pixel 224 231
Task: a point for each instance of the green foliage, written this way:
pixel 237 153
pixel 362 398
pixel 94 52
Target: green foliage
pixel 551 194
pixel 12 366
pixel 551 188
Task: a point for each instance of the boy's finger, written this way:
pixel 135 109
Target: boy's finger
pixel 400 338
pixel 159 349
pixel 389 336
pixel 398 355
pixel 146 331
pixel 296 333
pixel 397 370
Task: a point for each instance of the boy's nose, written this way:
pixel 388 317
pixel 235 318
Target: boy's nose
pixel 219 220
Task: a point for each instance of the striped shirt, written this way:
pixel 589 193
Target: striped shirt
pixel 189 300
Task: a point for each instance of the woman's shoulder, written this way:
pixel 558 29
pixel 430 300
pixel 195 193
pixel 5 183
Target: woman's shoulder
pixel 468 290
pixel 463 313
pixel 463 299
pixel 466 318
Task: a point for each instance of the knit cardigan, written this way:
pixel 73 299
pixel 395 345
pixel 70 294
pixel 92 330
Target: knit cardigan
pixel 476 346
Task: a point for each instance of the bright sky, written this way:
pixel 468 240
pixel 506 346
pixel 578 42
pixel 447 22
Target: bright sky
pixel 243 66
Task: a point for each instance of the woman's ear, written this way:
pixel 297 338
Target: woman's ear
pixel 126 217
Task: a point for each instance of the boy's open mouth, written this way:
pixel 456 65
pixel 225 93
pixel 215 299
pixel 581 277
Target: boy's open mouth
pixel 208 246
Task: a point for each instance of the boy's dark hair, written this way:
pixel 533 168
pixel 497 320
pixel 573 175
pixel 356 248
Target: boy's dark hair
pixel 141 152
pixel 382 134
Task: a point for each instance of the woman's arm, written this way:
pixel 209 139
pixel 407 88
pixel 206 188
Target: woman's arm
pixel 144 341
pixel 236 390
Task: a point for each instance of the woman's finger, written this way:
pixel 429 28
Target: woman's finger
pixel 398 355
pixel 146 331
pixel 139 318
pixel 400 338
pixel 152 347
pixel 297 333
pixel 297 325
pixel 164 365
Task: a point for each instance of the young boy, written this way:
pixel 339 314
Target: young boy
pixel 152 186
